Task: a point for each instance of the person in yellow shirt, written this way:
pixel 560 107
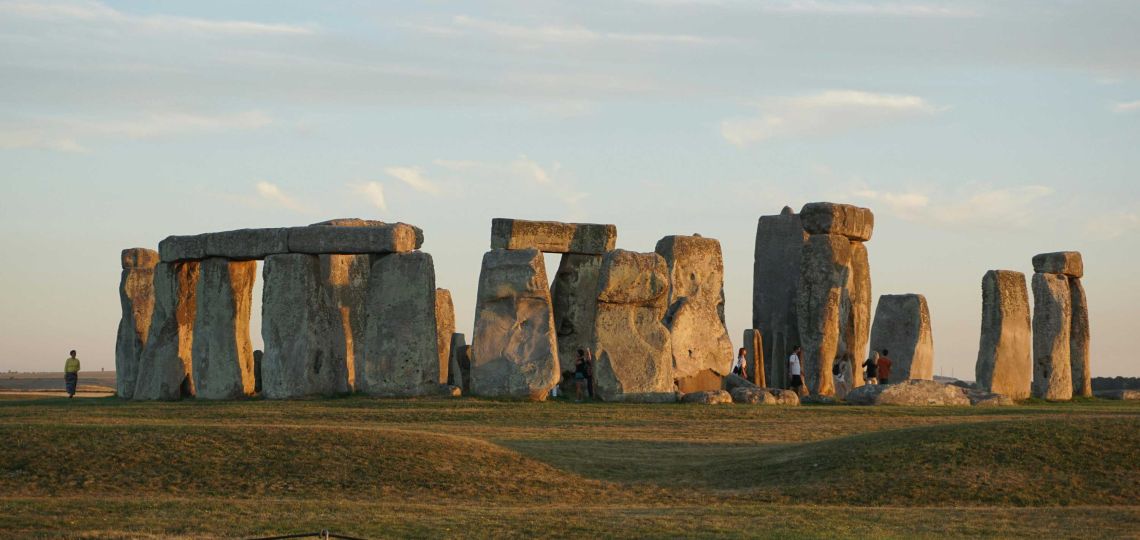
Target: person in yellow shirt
pixel 71 374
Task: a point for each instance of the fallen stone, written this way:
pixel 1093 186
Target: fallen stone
pixel 1004 364
pixel 733 381
pixel 754 356
pixel 851 221
pixel 980 398
pixel 553 236
pixel 574 298
pixel 823 276
pixel 247 244
pixel 1118 394
pixel 182 248
pixel 375 239
pixel 221 350
pixel 784 397
pixel 633 356
pixel 776 273
pixel 514 353
pixel 1068 263
pixel 708 397
pixel 1079 339
pixel 1052 327
pixel 754 396
pixel 166 366
pixel 819 400
pixel 401 356
pixel 357 222
pixel 914 392
pixel 902 325
pixel 444 328
pixel 136 298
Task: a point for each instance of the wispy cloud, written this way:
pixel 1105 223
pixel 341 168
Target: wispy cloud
pixel 373 192
pixel 530 35
pixel 74 135
pixel 98 12
pixel 33 140
pixel 1113 225
pixel 1126 107
pixel 971 206
pixel 272 193
pixel 894 9
pixel 826 113
pixel 414 177
pixel 524 171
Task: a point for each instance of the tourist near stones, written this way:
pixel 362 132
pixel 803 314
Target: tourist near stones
pixel 351 305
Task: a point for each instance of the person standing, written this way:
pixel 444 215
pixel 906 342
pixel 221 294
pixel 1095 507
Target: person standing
pixel 740 365
pixel 871 368
pixel 795 371
pixel 580 375
pixel 842 375
pixel 71 374
pixel 884 368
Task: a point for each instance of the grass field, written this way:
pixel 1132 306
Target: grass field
pixel 102 468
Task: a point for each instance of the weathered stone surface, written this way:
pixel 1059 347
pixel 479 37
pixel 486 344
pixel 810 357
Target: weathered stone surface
pixel 344 279
pixel 182 248
pixel 823 276
pixel 574 297
pixel 914 392
pixel 444 328
pixel 136 298
pixel 979 398
pixel 357 222
pixel 553 236
pixel 1069 263
pixel 702 350
pixel 459 363
pixel 401 356
pixel 902 324
pixel 755 396
pixel 1079 339
pixel 222 354
pixel 1118 394
pixel 514 353
pixel 776 273
pixel 733 381
pixel 247 244
pixel 1004 365
pixel 784 397
pixel 344 240
pixel 1052 327
pixel 166 366
pixel 302 330
pixel 855 308
pixel 754 356
pixel 708 397
pixel 633 356
pixel 851 221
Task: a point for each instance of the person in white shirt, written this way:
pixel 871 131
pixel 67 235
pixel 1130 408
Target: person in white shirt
pixel 795 371
pixel 740 365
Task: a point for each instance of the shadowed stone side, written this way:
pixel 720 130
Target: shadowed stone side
pixel 136 298
pixel 776 273
pixel 851 221
pixel 634 359
pixel 1004 364
pixel 553 236
pixel 347 240
pixel 357 222
pixel 902 324
pixel 444 328
pixel 514 353
pixel 401 356
pixel 823 277
pixel 166 366
pixel 754 356
pixel 1068 263
pixel 1079 340
pixel 574 297
pixel 1052 325
pixel 222 354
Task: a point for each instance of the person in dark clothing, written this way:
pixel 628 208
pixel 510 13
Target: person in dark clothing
pixel 871 368
pixel 590 373
pixel 581 374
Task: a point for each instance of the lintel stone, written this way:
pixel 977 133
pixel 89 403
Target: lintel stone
pixel 553 236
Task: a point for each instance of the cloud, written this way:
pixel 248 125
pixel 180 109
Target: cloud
pixel 1126 107
pixel 522 171
pixel 414 177
pixel 373 192
pixel 97 12
pixel 1113 225
pixel 531 35
pixel 896 9
pixel 826 113
pixel 31 140
pixel 270 192
pixel 972 206
pixel 66 135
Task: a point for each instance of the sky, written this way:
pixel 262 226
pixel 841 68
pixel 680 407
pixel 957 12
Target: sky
pixel 980 133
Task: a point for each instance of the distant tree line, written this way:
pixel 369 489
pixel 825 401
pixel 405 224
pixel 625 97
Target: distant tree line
pixel 1116 383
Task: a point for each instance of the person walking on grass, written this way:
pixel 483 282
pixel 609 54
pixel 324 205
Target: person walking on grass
pixel 871 368
pixel 71 374
pixel 740 365
pixel 884 368
pixel 581 375
pixel 795 370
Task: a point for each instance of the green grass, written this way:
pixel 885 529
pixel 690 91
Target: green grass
pixel 98 468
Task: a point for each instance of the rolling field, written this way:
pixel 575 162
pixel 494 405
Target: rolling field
pixel 102 468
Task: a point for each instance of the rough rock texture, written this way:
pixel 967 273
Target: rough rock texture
pixel 165 367
pixel 222 354
pixel 1079 340
pixel 754 356
pixel 553 236
pixel 136 297
pixel 756 396
pixel 708 397
pixel 979 398
pixel 344 279
pixel 401 356
pixel 823 277
pixel 357 222
pixel 1069 263
pixel 632 351
pixel 247 244
pixel 913 392
pixel 843 219
pixel 574 297
pixel 1119 394
pixel 182 248
pixel 733 381
pixel 1004 365
pixel 855 308
pixel 1052 327
pixel 776 273
pixel 301 326
pixel 514 353
pixel 444 328
pixel 902 325
pixel 784 397
pixel 459 364
pixel 702 350
pixel 375 239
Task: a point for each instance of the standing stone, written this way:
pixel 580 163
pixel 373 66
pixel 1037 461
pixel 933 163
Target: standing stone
pixel 823 277
pixel 634 359
pixel 1079 340
pixel 574 297
pixel 222 353
pixel 302 330
pixel 902 325
pixel 459 366
pixel 776 273
pixel 514 352
pixel 1052 327
pixel 136 297
pixel 754 356
pixel 702 350
pixel 444 328
pixel 401 355
pixel 166 365
pixel 344 279
pixel 1004 365
pixel 855 310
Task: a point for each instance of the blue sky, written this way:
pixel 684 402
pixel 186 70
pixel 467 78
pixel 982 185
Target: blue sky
pixel 981 133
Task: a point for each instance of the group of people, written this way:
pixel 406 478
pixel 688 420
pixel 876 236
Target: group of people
pixel 876 370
